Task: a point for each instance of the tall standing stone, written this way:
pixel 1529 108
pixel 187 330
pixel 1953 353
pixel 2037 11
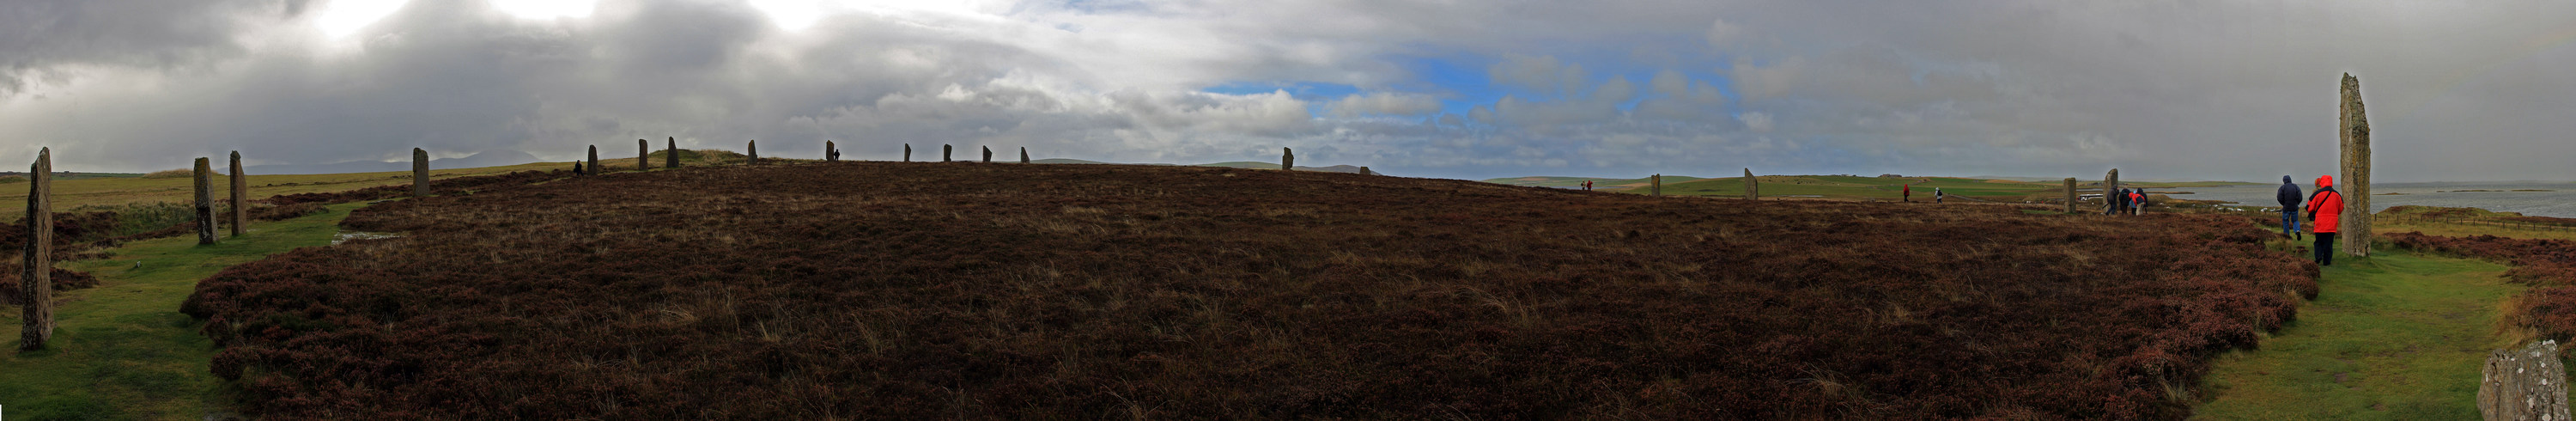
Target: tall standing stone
pixel 1288 159
pixel 754 150
pixel 419 173
pixel 2524 384
pixel 907 152
pixel 947 153
pixel 1024 154
pixel 2355 183
pixel 643 154
pixel 671 153
pixel 1752 187
pixel 830 152
pixel 37 283
pixel 205 211
pixel 1655 185
pixel 240 216
pixel 2070 195
pixel 594 160
pixel 2110 189
pixel 988 154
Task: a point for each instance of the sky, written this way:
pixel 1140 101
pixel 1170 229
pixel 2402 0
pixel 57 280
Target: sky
pixel 2231 90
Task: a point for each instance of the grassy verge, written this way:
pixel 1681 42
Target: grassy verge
pixel 123 350
pixel 2397 336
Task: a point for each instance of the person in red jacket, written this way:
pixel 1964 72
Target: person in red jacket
pixel 1909 193
pixel 2324 208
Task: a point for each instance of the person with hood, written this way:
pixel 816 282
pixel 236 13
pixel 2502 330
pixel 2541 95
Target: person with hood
pixel 2119 201
pixel 2137 202
pixel 1936 195
pixel 2324 209
pixel 2290 198
pixel 1909 193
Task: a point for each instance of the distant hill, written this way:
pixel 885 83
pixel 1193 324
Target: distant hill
pixel 494 158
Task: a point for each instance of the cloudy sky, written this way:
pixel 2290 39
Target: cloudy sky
pixel 1440 88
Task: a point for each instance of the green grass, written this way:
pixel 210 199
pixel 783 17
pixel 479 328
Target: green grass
pixel 111 191
pixel 123 350
pixel 2398 336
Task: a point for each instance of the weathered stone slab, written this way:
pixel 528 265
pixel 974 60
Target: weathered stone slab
pixel 988 154
pixel 594 160
pixel 204 213
pixel 831 152
pixel 754 151
pixel 37 284
pixel 947 153
pixel 240 215
pixel 2070 195
pixel 643 154
pixel 419 173
pixel 2110 189
pixel 1752 187
pixel 2524 384
pixel 907 152
pixel 2354 229
pixel 1365 171
pixel 1655 185
pixel 1024 154
pixel 1287 159
pixel 671 153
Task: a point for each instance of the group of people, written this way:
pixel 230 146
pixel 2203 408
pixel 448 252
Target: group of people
pixel 2324 210
pixel 2128 201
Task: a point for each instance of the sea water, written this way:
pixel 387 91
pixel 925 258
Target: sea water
pixel 2559 201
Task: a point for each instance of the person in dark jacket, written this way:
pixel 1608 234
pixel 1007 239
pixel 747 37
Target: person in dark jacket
pixel 2290 198
pixel 2119 201
pixel 2325 208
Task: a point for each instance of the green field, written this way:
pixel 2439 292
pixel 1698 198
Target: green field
pixel 1844 187
pixel 122 350
pixel 110 191
pixel 2397 336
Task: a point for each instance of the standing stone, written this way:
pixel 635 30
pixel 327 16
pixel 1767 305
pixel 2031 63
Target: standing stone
pixel 2110 189
pixel 907 152
pixel 1024 154
pixel 830 154
pixel 1752 187
pixel 594 160
pixel 419 173
pixel 241 197
pixel 671 153
pixel 1655 185
pixel 988 154
pixel 643 154
pixel 2525 384
pixel 1287 159
pixel 754 150
pixel 947 153
pixel 1365 171
pixel 205 215
pixel 37 283
pixel 2355 183
pixel 2070 195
